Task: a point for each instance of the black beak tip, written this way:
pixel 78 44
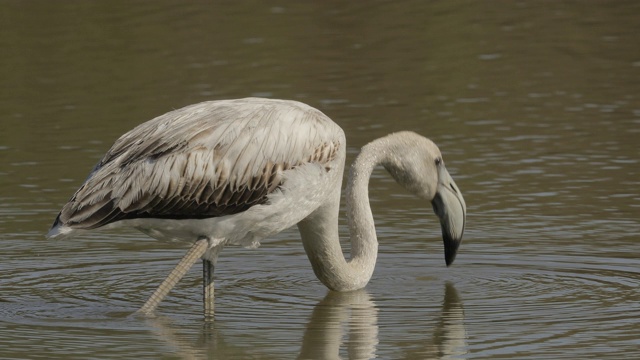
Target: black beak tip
pixel 450 250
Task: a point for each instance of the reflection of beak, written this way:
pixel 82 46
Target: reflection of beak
pixel 449 205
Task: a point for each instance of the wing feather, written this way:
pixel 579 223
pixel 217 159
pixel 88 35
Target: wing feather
pixel 206 160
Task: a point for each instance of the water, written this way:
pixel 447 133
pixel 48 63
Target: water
pixel 535 106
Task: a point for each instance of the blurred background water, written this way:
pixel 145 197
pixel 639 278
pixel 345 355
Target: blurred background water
pixel 535 106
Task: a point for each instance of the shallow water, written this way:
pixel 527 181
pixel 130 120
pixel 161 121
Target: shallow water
pixel 534 105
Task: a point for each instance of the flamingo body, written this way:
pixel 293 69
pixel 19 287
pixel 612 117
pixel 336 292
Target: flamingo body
pixel 238 171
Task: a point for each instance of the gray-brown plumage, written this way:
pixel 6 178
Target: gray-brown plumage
pixel 193 163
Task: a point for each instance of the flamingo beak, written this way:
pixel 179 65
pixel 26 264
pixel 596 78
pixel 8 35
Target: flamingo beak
pixel 451 209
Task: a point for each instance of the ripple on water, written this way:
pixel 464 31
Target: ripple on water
pixel 553 300
pixel 518 293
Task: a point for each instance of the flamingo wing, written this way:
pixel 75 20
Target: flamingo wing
pixel 206 160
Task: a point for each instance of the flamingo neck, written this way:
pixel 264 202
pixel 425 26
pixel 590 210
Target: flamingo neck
pixel 320 235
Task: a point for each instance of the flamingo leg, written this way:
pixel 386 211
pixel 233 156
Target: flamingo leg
pixel 207 288
pixel 195 252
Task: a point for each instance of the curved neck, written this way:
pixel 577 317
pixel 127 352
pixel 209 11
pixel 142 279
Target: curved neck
pixel 319 231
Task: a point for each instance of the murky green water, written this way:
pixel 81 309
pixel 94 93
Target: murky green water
pixel 535 105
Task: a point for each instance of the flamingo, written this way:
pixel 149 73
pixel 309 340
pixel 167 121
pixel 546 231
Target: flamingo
pixel 237 171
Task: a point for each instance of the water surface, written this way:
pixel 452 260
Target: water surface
pixel 534 105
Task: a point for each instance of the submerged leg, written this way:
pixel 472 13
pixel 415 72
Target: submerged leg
pixel 195 252
pixel 207 287
pixel 209 260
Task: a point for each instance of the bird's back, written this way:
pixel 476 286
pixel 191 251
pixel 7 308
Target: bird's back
pixel 206 160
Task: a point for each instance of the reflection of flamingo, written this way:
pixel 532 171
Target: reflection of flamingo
pixel 237 171
pixel 340 323
pixel 451 339
pixel 324 334
pixel 325 331
pixel 450 335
